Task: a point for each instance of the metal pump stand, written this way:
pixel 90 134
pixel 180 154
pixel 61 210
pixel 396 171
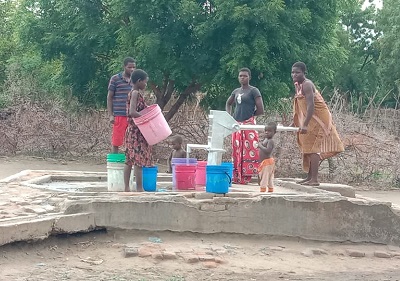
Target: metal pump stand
pixel 221 125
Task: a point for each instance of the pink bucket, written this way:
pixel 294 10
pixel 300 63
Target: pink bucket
pixel 153 125
pixel 201 173
pixel 185 177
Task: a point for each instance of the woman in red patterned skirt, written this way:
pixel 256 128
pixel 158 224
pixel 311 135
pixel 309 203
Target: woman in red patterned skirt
pixel 248 104
pixel 138 151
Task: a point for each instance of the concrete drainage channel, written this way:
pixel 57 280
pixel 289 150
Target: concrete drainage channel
pixel 37 204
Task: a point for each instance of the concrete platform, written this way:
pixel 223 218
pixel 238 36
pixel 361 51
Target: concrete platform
pixel 33 206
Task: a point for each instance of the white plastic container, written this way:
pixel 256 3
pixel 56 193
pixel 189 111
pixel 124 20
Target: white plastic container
pixel 115 173
pixel 115 177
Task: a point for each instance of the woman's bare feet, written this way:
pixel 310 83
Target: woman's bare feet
pixel 303 181
pixel 311 183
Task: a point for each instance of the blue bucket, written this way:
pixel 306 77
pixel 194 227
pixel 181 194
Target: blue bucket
pixel 218 178
pixel 150 178
pixel 230 165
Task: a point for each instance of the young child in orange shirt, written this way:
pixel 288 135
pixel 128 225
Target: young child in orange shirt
pixel 267 163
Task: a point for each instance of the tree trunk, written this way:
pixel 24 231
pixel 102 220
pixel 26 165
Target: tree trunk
pixel 168 92
pixel 157 92
pixel 164 94
pixel 191 89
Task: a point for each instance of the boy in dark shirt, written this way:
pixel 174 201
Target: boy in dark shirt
pixel 267 163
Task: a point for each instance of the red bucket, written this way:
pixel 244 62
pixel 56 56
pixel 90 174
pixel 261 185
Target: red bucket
pixel 185 177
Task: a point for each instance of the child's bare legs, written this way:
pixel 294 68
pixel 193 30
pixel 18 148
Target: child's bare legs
pixel 127 176
pixel 266 178
pixel 271 179
pixel 139 179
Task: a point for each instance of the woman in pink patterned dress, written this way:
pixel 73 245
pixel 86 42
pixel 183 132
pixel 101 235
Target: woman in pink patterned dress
pixel 248 104
pixel 138 151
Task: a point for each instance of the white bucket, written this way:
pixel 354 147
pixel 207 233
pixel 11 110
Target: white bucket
pixel 115 177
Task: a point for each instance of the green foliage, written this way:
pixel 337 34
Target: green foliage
pixel 37 81
pixel 45 75
pixel 268 37
pixel 389 43
pixel 359 37
pixel 80 34
pixel 187 42
pixel 161 35
pixel 7 39
pixel 76 45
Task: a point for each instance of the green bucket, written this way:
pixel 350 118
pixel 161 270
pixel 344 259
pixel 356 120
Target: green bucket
pixel 116 157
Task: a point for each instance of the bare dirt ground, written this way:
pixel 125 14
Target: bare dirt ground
pixel 12 165
pixel 100 255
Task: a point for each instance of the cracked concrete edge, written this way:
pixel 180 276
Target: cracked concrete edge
pixel 54 173
pixel 42 228
pixel 16 176
pixel 37 180
pixel 57 172
pixel 82 177
pixel 340 220
pixel 371 201
pixel 83 222
pixel 342 189
pixel 309 217
pixel 61 175
pixel 302 188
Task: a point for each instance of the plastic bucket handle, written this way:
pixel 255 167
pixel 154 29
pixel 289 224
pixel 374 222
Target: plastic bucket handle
pixel 229 177
pixel 151 112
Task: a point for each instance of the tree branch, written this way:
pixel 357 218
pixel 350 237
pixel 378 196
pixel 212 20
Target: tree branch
pixel 192 88
pixel 365 62
pixel 156 91
pixel 168 92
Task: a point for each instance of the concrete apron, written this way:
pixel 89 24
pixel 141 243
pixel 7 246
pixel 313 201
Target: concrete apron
pixel 28 211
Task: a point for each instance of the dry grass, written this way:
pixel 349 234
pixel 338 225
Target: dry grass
pixel 370 160
pixel 47 130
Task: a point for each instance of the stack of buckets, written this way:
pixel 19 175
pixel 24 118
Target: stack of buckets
pixel 155 129
pixel 187 174
pixel 115 174
pixel 190 174
pixel 184 173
